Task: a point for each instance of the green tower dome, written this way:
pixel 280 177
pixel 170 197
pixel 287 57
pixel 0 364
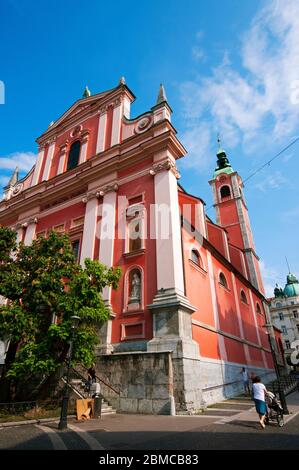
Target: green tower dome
pixel 223 165
pixel 292 286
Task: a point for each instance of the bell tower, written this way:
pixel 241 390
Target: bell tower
pixel 232 213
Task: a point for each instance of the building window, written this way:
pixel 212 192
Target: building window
pixel 280 316
pixel 295 313
pixel 135 228
pixel 278 304
pixel 223 281
pixel 243 297
pixel 74 155
pixel 258 308
pixel 195 257
pixel 288 345
pixel 283 329
pixel 134 290
pixel 76 248
pixel 225 192
pixel 292 303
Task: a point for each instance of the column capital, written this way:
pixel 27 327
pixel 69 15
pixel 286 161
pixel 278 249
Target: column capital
pixel 25 223
pixel 166 165
pixel 111 187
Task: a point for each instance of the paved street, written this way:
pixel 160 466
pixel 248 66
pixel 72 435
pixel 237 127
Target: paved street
pixel 228 425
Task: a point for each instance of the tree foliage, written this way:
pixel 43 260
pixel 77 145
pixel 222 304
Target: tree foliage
pixel 44 287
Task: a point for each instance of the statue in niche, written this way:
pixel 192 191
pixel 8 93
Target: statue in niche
pixel 135 288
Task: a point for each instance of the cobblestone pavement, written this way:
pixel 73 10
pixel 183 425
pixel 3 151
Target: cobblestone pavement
pixel 227 425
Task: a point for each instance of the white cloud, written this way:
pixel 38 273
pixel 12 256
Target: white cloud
pixel 24 160
pixel 253 106
pixel 274 181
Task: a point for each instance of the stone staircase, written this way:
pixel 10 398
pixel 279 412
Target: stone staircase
pixel 78 389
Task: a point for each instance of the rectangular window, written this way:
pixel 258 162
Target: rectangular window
pixel 287 343
pixel 280 316
pixel 295 313
pixel 41 234
pixel 283 329
pixel 59 228
pixel 76 247
pixel 77 222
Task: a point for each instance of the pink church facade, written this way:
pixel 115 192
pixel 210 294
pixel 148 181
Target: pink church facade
pixel 190 289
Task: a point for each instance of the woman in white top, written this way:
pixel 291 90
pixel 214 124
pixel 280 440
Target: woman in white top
pixel 259 391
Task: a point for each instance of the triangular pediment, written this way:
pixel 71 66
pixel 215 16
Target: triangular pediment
pixel 78 107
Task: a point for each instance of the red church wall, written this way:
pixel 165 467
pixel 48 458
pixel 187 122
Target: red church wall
pixel 256 358
pixel 235 351
pixel 147 261
pixel 197 281
pixel 207 342
pixel 235 258
pixel 225 298
pixel 246 313
pixel 63 216
pixel 215 237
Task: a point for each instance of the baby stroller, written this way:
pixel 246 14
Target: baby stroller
pixel 275 410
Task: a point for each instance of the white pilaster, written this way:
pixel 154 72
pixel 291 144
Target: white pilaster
pixel 83 152
pixel 168 237
pixel 30 233
pixel 47 169
pixel 107 235
pixel 101 133
pixel 61 163
pixel 89 233
pixel 38 166
pixel 116 125
pixel 19 234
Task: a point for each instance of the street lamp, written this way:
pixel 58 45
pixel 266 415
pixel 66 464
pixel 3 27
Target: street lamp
pixel 65 401
pixel 280 389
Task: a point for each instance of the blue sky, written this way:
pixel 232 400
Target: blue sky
pixel 227 66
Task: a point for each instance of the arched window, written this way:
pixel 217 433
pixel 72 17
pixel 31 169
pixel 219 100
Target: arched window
pixel 195 257
pixel 134 289
pixel 225 192
pixel 222 280
pixel 258 308
pixel 243 297
pixel 74 155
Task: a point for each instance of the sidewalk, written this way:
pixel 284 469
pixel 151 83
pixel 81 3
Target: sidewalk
pixel 251 415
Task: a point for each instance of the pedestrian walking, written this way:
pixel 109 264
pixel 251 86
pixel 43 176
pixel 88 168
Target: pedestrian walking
pixel 259 392
pixel 245 379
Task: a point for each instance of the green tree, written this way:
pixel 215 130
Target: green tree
pixel 44 286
